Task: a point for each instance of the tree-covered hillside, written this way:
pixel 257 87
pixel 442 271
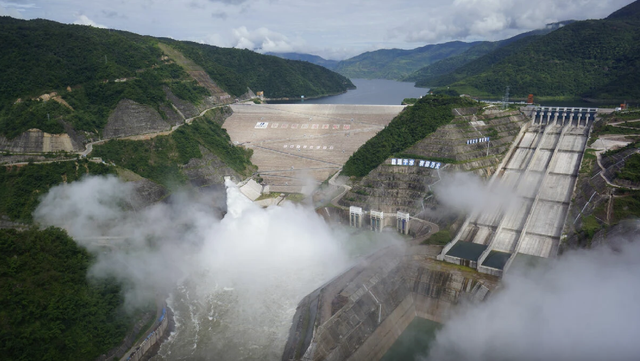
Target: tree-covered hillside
pixel 424 77
pixel 398 63
pixel 235 70
pixel 161 158
pixel 49 310
pixel 313 59
pixel 92 69
pixel 595 59
pixel 410 126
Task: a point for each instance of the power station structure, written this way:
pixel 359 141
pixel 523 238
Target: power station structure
pixel 355 217
pixel 377 221
pixel 402 222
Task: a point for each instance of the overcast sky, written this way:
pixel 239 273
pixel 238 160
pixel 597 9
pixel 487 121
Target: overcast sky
pixel 334 29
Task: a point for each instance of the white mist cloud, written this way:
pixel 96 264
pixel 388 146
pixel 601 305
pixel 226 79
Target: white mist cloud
pixel 468 193
pixel 84 20
pixel 234 282
pixel 260 39
pixel 583 306
pixel 496 19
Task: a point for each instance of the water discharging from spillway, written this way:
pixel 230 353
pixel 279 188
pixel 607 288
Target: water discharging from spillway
pixel 255 267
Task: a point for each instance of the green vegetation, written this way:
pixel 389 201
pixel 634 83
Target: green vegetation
pixel 234 70
pixel 48 308
pixel 397 63
pixel 631 169
pixel 610 129
pixel 590 226
pixel 160 158
pixel 189 91
pixel 80 64
pixel 411 125
pixel 409 101
pixel 626 207
pixel 596 59
pixel 440 238
pixel 22 187
pixel 417 156
pixel 625 115
pixel 611 152
pixel 447 91
pixel 426 76
pixel 492 133
pixel 93 69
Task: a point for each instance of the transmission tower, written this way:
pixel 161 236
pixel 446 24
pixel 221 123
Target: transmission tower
pixel 505 100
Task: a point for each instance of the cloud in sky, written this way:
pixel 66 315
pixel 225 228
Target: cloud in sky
pixel 84 20
pixel 331 28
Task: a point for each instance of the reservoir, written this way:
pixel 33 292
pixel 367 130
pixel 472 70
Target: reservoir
pixel 369 91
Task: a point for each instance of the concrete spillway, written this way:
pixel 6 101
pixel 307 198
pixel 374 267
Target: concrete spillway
pixel 541 170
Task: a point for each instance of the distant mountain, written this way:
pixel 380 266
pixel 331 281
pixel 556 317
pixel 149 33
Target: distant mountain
pixel 597 59
pixel 424 76
pixel 398 63
pixel 313 59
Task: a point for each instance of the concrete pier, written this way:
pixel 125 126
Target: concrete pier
pixel 402 222
pixel 355 217
pixel 377 221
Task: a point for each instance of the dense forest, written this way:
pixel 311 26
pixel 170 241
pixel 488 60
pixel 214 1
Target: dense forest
pixel 22 186
pixel 425 77
pixel 49 310
pixel 81 65
pixel 597 59
pixel 410 126
pixel 235 70
pixel 398 63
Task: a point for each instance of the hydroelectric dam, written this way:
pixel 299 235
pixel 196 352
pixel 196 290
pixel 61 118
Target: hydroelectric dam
pixel 361 313
pixel 541 169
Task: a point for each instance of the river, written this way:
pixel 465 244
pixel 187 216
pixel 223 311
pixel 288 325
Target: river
pixel 369 91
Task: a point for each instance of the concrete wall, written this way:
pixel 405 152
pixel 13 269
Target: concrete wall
pixel 37 141
pixel 151 339
pixel 372 304
pixel 131 118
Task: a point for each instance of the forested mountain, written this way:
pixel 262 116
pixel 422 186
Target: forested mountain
pixel 91 70
pixel 237 69
pixel 398 63
pixel 598 59
pixel 49 310
pixel 313 59
pixel 425 76
pixel 413 124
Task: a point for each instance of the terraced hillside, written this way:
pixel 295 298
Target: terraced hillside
pixel 391 188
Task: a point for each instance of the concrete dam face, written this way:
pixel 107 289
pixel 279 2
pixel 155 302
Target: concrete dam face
pixel 361 313
pixel 541 169
pixel 297 143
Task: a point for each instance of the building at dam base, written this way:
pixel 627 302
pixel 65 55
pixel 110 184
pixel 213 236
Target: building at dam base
pixel 541 169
